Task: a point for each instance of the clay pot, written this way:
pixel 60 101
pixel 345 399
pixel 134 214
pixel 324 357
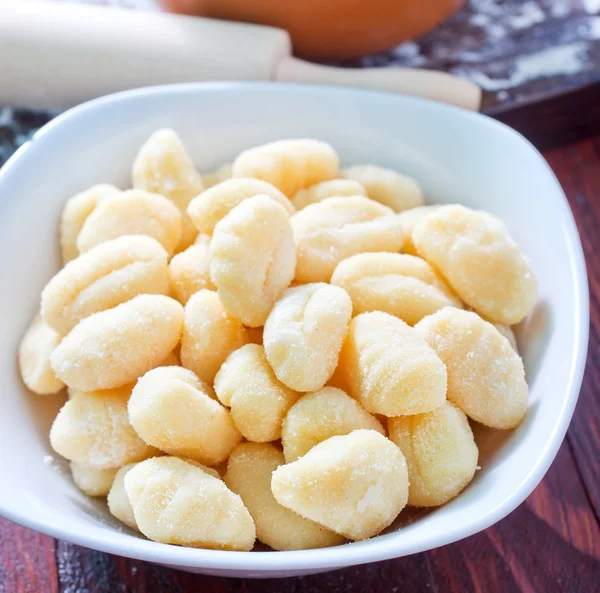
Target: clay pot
pixel 331 29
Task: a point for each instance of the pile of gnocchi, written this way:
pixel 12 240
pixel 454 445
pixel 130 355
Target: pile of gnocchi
pixel 281 350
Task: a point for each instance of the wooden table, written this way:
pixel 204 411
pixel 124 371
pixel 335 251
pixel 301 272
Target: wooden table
pixel 550 544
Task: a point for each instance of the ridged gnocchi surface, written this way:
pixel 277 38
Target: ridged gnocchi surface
pixel 304 333
pixel 440 452
pixel 92 481
pixel 115 347
pixel 319 416
pixel 249 472
pixel 253 257
pixel 189 270
pixel 397 191
pixel 213 204
pixel 175 502
pixel 336 228
pixel 106 276
pixel 258 400
pixel 486 379
pixel 173 410
pixel 480 260
pixel 398 284
pixel 355 485
pixel 290 165
pixel 210 335
pixel 327 189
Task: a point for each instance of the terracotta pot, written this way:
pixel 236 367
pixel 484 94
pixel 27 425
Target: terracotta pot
pixel 331 29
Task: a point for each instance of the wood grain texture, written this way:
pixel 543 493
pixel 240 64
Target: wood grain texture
pixel 550 544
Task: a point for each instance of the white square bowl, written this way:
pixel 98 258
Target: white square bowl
pixel 457 156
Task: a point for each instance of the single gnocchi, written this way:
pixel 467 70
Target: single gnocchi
pixel 319 416
pixel 118 501
pixel 355 485
pixel 215 203
pixel 410 219
pixel 253 257
pixel 398 192
pixel 509 334
pixel 189 271
pixel 132 212
pixel 486 379
pixel 327 189
pixel 222 173
pixel 173 410
pixel 35 350
pixel 249 472
pixel 336 228
pixel 115 347
pixel 390 368
pixel 258 400
pixel 290 165
pixel 106 276
pixel 304 333
pixel 175 502
pixel 398 284
pixel 210 335
pixel 93 481
pixel 75 213
pixel 480 260
pixel 440 452
pixel 93 429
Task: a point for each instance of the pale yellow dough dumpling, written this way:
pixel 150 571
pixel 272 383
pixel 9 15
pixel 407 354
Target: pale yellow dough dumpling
pixel 215 203
pixel 304 333
pixel 336 228
pixel 118 501
pixel 93 429
pixel 290 165
pixel 132 212
pixel 327 189
pixel 210 335
pixel 386 186
pixel 253 257
pixel 440 452
pixel 410 219
pixel 173 410
pixel 222 173
pixel 35 350
pixel 258 400
pixel 355 485
pixel 389 368
pixel 398 284
pixel 483 264
pixel 189 271
pixel 175 502
pixel 106 276
pixel 115 347
pixel 92 481
pixel 486 379
pixel 249 472
pixel 321 415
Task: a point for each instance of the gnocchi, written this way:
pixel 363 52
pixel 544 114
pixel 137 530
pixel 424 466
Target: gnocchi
pixel 290 165
pixel 327 189
pixel 389 368
pixel 248 474
pixel 440 452
pixel 222 173
pixel 93 481
pixel 176 503
pixel 118 501
pixel 486 379
pixel 258 400
pixel 398 284
pixel 173 410
pixel 189 270
pixel 115 347
pixel 210 335
pixel 215 203
pixel 355 485
pixel 132 212
pixel 336 228
pixel 304 332
pixel 320 415
pixel 410 219
pixel 109 274
pixel 482 263
pixel 398 192
pixel 253 257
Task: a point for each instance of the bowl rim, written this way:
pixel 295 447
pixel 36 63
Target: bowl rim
pixel 355 553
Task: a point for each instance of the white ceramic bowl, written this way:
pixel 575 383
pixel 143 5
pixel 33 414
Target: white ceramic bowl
pixel 457 156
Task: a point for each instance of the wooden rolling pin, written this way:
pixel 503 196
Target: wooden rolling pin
pixel 58 55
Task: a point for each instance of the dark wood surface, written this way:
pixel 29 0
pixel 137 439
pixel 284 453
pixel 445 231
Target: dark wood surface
pixel 550 544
